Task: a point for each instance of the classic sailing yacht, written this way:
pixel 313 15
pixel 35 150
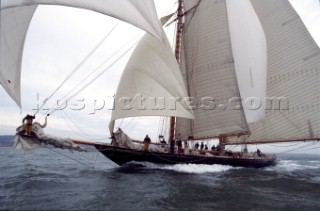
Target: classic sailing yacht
pixel 248 74
pixel 233 50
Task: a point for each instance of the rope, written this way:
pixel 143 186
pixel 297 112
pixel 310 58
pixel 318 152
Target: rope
pixel 66 117
pixel 92 80
pixel 286 145
pixel 87 76
pixel 66 156
pixel 297 149
pixel 94 163
pixel 309 149
pixel 97 68
pixel 78 67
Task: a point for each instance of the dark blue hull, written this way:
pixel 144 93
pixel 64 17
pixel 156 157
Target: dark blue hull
pixel 122 156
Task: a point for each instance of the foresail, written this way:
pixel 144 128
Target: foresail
pixel 151 84
pixel 141 13
pixel 293 77
pixel 208 68
pixel 14 24
pixel 16 16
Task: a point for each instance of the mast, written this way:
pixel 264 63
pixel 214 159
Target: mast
pixel 177 55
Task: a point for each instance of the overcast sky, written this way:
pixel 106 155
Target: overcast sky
pixel 59 38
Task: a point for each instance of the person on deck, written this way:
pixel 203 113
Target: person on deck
pixel 205 147
pixel 186 148
pixel 196 146
pixel 201 146
pixel 218 148
pixel 213 148
pixel 146 143
pixel 27 124
pixel 163 142
pixel 258 152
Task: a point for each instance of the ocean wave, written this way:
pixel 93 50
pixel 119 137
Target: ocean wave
pixel 293 165
pixel 198 168
pixel 183 168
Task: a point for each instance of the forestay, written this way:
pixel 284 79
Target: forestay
pixel 17 14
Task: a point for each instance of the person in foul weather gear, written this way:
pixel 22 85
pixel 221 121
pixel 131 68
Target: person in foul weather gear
pixel 27 124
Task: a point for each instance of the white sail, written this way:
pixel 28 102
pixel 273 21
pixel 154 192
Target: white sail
pixel 14 24
pixel 293 77
pixel 249 49
pixel 141 13
pixel 208 67
pixel 151 84
pixel 16 16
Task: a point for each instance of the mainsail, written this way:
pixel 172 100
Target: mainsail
pixel 208 66
pixel 293 83
pixel 212 67
pixel 17 14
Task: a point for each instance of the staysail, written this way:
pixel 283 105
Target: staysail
pixel 293 82
pixel 208 67
pixel 17 14
pixel 151 84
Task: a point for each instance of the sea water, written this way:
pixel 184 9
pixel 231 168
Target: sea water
pixel 46 180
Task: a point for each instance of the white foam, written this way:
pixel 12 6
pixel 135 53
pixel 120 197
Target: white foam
pixel 191 168
pixel 292 165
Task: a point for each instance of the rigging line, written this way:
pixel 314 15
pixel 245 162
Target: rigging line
pixel 95 78
pixel 165 126
pixel 96 69
pixel 95 160
pixel 66 117
pixel 286 145
pixel 121 123
pixel 78 66
pixel 291 150
pixel 132 127
pixel 291 122
pixel 69 125
pixel 309 149
pixel 163 122
pixel 66 156
pixel 76 125
pixel 170 9
pixel 132 118
pixel 159 126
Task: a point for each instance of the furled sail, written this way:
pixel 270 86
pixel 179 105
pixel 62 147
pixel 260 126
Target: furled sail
pixel 151 84
pixel 16 16
pixel 293 83
pixel 208 67
pixel 27 142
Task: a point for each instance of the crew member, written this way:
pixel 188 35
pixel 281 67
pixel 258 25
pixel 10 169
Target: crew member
pixel 146 143
pixel 27 124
